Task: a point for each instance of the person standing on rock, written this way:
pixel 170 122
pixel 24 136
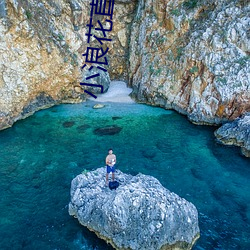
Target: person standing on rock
pixel 110 164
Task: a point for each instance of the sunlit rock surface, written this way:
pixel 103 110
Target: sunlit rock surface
pixel 192 56
pixel 140 214
pixel 41 47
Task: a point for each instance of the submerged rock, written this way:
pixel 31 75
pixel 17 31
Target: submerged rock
pixel 68 124
pixel 82 128
pixel 109 130
pixel 148 153
pixel 140 214
pixel 236 133
pixel 114 118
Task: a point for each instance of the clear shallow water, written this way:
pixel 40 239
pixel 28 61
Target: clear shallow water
pixel 39 156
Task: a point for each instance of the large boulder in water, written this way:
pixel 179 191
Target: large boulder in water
pixel 236 133
pixel 139 214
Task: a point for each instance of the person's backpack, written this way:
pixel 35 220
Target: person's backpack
pixel 113 184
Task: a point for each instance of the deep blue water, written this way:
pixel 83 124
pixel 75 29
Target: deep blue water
pixel 39 156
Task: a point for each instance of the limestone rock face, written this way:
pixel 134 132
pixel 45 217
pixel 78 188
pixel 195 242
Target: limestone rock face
pixel 192 56
pixel 236 133
pixel 41 47
pixel 140 214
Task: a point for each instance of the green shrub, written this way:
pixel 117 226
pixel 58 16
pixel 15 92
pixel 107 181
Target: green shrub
pixel 151 69
pixel 194 69
pixel 179 53
pixel 190 4
pixel 161 40
pixel 175 12
pixel 60 37
pixel 158 71
pixel 28 14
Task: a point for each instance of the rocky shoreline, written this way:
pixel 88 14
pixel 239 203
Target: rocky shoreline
pixel 236 133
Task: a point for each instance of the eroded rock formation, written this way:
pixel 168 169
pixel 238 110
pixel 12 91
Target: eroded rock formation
pixel 192 56
pixel 41 47
pixel 140 214
pixel 236 133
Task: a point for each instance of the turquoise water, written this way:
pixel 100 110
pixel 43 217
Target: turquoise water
pixel 39 156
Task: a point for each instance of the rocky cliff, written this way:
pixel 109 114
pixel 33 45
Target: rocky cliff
pixel 192 56
pixel 41 47
pixel 140 214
